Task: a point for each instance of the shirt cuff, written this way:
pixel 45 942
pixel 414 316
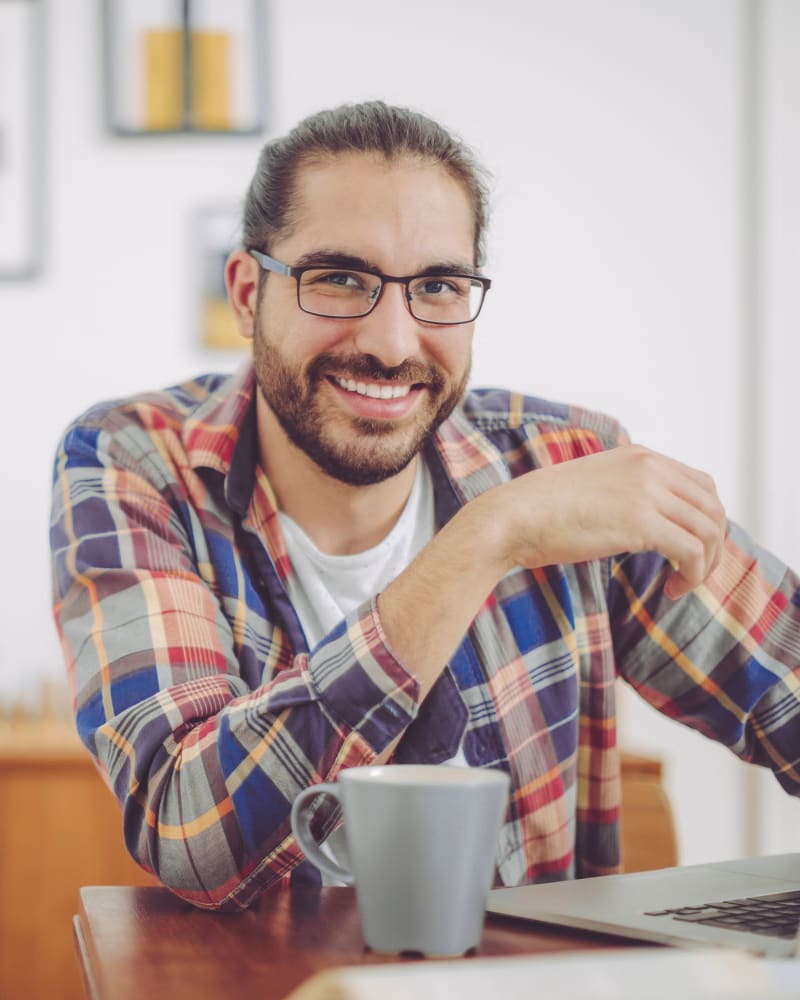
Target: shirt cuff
pixel 359 680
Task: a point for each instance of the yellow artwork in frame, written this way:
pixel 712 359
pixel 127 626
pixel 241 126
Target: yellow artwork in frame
pixel 184 66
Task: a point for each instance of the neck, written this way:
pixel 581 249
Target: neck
pixel 340 519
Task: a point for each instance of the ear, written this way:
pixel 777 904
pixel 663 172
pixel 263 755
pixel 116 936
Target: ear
pixel 241 280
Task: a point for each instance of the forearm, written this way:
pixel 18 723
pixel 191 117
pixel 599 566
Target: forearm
pixel 427 609
pixel 207 772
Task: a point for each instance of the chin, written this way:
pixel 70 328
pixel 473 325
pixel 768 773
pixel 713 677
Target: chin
pixel 360 465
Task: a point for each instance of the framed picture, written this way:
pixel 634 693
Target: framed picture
pixel 184 66
pixel 215 234
pixel 21 130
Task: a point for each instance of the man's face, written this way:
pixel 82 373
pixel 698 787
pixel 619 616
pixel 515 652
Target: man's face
pixel 359 396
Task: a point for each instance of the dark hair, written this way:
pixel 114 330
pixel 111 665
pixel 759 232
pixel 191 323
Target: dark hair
pixel 371 127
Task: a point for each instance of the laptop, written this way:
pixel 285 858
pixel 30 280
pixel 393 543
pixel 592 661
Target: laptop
pixel 752 904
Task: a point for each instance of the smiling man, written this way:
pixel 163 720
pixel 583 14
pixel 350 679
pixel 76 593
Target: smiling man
pixel 341 555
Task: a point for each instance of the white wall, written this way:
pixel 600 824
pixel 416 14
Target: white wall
pixel 615 130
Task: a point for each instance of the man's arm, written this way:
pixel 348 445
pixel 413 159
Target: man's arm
pixel 206 734
pixel 706 626
pixel 628 499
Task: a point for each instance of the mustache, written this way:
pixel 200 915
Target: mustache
pixel 368 367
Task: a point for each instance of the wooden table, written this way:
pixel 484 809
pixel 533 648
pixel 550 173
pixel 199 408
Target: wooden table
pixel 137 943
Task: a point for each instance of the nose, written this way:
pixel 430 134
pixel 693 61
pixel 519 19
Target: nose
pixel 390 333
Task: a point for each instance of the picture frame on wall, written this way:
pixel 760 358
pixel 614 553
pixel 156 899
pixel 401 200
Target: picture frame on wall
pixel 21 130
pixel 216 232
pixel 177 66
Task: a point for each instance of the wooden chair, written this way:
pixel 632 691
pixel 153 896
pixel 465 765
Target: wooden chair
pixel 649 840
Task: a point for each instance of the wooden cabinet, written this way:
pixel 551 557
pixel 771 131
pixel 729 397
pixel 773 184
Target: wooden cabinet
pixel 60 828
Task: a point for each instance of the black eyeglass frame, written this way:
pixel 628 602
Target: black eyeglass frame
pixel 271 264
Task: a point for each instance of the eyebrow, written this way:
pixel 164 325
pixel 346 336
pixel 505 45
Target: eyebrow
pixel 337 258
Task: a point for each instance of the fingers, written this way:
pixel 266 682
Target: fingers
pixel 700 492
pixel 628 499
pixel 677 587
pixel 699 536
pixel 694 509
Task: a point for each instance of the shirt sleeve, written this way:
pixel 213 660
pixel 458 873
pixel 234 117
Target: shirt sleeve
pixel 205 759
pixel 724 659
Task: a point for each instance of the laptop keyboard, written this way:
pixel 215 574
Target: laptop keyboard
pixel 777 915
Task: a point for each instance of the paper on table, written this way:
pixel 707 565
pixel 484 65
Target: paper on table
pixel 643 974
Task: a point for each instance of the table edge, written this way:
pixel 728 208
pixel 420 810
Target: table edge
pixel 84 959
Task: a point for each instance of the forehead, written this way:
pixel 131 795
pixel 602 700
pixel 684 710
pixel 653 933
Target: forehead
pixel 402 213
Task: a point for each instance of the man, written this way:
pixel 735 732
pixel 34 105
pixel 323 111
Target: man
pixel 339 555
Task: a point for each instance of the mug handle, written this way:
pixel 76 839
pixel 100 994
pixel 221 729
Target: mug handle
pixel 301 827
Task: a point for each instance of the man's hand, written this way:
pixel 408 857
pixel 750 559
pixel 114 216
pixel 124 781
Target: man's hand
pixel 629 499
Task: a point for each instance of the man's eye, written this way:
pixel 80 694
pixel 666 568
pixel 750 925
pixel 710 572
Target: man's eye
pixel 338 279
pixel 437 287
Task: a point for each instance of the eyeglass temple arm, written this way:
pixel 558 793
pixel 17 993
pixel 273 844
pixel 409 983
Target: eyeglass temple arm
pixel 270 264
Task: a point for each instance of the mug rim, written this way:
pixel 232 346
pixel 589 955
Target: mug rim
pixel 430 775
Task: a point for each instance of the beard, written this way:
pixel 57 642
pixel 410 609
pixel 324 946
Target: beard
pixel 354 450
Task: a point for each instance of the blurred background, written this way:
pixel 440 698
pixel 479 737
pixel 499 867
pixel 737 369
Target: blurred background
pixel 644 251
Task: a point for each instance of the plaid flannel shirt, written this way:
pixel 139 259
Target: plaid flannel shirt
pixel 206 712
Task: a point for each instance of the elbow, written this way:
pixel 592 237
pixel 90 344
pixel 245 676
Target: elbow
pixel 200 870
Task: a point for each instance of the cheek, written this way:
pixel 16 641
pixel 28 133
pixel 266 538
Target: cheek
pixel 450 350
pixel 299 337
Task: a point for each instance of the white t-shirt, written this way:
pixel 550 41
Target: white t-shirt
pixel 325 588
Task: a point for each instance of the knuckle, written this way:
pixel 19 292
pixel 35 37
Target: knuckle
pixel 707 482
pixel 640 455
pixel 694 553
pixel 710 533
pixel 719 529
pixel 647 458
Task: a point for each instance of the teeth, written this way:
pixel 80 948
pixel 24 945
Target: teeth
pixel 372 390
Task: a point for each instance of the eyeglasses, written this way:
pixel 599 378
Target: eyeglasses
pixel 440 297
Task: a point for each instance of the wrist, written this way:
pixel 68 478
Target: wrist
pixel 489 533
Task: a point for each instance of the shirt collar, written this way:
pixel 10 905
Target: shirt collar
pixel 470 461
pixel 222 435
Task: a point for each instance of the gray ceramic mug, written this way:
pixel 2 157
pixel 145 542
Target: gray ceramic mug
pixel 421 843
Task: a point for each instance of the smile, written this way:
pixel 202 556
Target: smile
pixel 373 390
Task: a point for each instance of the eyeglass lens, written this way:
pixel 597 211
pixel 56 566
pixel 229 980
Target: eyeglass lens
pixel 432 298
